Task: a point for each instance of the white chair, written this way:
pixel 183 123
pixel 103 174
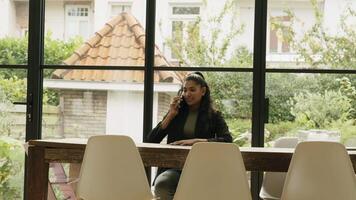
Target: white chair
pixel 320 171
pixel 112 169
pixel 213 171
pixel 272 185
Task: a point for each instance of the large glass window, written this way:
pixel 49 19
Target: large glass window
pixel 12 132
pixel 311 107
pixel 89 33
pixel 205 33
pixel 234 104
pixel 82 103
pixel 311 34
pixel 90 88
pixel 13 91
pixel 13 32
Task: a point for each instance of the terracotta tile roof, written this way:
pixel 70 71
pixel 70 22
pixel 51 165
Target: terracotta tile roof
pixel 121 42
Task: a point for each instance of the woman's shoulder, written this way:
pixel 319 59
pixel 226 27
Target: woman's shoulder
pixel 216 113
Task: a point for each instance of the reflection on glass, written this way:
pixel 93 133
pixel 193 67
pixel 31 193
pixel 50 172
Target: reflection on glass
pixel 311 107
pixel 311 34
pixel 209 34
pixel 12 132
pixel 234 103
pixel 105 33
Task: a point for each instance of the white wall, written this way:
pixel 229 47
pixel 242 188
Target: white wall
pixel 7 18
pixel 102 11
pixel 54 18
pixel 333 10
pixel 125 114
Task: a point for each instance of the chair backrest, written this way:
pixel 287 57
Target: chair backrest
pixel 272 185
pixel 112 169
pixel 320 170
pixel 213 171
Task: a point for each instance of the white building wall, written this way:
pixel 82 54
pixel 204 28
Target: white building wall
pixel 125 114
pixel 333 10
pixel 162 19
pixel 247 15
pixel 7 18
pixel 54 18
pixel 102 11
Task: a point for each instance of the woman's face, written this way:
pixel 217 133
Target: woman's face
pixel 193 93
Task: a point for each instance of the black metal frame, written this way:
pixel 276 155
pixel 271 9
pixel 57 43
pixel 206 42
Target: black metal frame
pixel 36 66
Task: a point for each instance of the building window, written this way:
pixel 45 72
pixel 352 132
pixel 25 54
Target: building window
pixel 118 8
pixel 183 18
pixel 77 21
pixel 78 11
pixel 278 35
pixel 178 10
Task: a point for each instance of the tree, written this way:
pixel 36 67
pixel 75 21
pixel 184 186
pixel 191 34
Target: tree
pixel 13 51
pixel 316 110
pixel 215 47
pixel 317 47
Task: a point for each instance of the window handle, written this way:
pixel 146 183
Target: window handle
pixel 28 115
pixel 266 106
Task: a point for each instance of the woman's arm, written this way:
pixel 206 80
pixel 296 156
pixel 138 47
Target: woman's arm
pixel 157 134
pixel 221 129
pixel 160 131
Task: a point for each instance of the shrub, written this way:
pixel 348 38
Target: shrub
pixel 11 168
pixel 315 110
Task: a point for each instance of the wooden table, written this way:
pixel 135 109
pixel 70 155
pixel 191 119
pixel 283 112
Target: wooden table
pixel 42 152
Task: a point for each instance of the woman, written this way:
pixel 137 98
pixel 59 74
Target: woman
pixel 190 119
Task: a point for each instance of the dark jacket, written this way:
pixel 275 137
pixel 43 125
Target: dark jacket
pixel 213 128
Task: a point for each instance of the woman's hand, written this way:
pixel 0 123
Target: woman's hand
pixel 189 142
pixel 174 106
pixel 172 113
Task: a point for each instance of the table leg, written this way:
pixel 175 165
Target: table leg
pixel 74 170
pixel 37 174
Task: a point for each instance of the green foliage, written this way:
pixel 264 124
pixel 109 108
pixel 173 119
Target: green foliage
pixel 280 129
pixel 240 130
pixel 346 128
pixel 232 93
pixel 14 51
pixel 317 47
pixel 56 50
pixel 11 169
pixel 14 88
pixel 316 110
pixel 212 49
pixel 347 89
pixel 5 121
pixel 280 88
pixel 216 49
